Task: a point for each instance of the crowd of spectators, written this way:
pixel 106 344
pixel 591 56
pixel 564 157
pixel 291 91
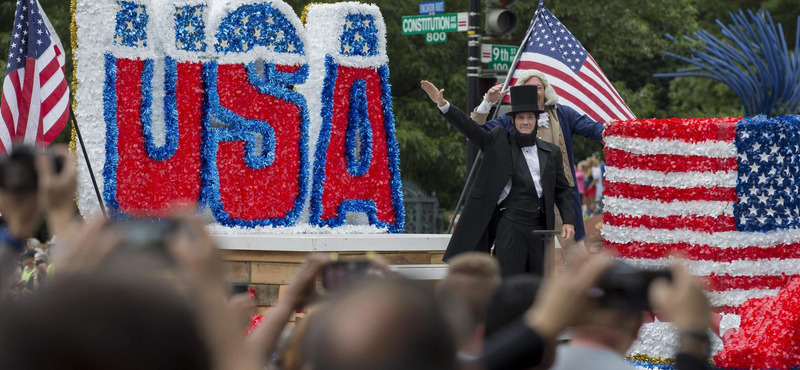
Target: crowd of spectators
pixel 167 306
pixel 589 175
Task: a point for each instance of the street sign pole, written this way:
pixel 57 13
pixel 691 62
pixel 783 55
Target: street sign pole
pixel 473 69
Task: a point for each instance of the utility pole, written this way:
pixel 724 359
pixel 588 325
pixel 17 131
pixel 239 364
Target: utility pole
pixel 473 69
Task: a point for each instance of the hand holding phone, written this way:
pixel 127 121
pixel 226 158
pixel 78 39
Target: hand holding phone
pixel 624 286
pixel 303 285
pixel 341 274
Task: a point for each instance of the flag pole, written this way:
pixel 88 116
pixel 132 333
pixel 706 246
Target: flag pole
pixel 88 163
pixel 496 111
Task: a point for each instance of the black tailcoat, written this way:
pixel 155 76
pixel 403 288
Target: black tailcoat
pixel 500 153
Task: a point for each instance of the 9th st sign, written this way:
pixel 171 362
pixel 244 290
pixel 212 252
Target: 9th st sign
pixel 498 56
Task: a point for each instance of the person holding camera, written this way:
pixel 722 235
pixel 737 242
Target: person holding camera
pixel 587 302
pixel 517 189
pixel 28 268
pixel 39 278
pixel 32 184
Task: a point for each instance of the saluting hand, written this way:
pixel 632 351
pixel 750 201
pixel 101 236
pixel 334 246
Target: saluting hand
pixel 496 93
pixel 436 95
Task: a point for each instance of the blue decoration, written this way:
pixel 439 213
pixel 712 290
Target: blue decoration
pixel 131 29
pixel 394 151
pixel 110 117
pixel 190 28
pixel 170 110
pixel 257 25
pixel 768 173
pixel 358 123
pixel 208 147
pixel 754 61
pixel 241 129
pixel 320 159
pixel 360 36
pixel 275 77
pixel 321 155
pixel 651 366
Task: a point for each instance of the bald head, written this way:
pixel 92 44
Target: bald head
pixel 383 325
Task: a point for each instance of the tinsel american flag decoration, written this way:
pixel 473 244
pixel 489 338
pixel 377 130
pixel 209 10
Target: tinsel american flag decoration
pixel 723 192
pixel 35 98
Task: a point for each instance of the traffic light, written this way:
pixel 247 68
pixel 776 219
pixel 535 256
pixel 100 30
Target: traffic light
pixel 499 19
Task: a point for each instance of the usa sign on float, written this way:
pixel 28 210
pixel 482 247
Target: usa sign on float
pixel 239 107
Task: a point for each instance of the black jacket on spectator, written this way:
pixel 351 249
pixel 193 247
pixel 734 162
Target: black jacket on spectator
pixel 501 152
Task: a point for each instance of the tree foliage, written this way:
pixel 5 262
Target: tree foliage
pixel 626 38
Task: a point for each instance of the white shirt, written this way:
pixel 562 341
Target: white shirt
pixel 445 108
pixel 531 154
pixel 485 107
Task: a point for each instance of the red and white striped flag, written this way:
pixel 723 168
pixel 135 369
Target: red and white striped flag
pixel 721 191
pixel 577 79
pixel 35 100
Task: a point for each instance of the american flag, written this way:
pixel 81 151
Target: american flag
pixel 35 100
pixel 721 191
pixel 577 79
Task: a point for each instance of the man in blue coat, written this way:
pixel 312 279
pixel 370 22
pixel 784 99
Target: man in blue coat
pixel 556 125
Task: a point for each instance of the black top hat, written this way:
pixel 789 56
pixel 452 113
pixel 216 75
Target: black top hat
pixel 524 98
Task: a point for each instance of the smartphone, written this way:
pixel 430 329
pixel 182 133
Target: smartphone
pixel 340 274
pixel 148 236
pixel 624 286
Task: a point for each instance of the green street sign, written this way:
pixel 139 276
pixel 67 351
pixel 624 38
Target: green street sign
pixel 435 37
pixel 449 22
pixel 498 56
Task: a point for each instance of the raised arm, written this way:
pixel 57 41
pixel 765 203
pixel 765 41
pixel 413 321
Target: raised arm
pixel 481 112
pixel 477 135
pixel 582 125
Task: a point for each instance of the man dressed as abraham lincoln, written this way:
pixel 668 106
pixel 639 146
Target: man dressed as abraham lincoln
pixel 519 182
